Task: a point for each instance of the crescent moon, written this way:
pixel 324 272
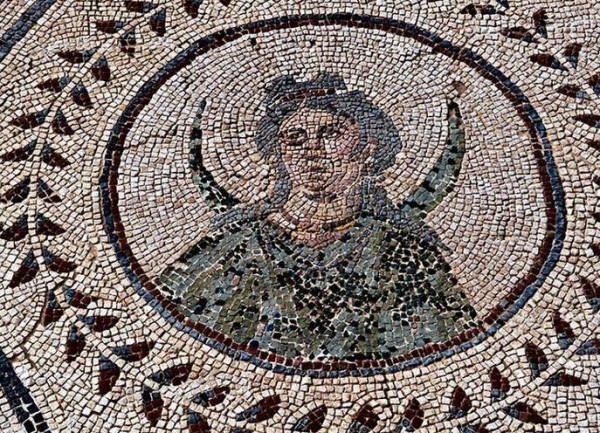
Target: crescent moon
pixel 441 180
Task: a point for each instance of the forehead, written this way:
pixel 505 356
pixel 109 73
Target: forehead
pixel 309 116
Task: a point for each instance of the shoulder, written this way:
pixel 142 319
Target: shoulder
pixel 405 241
pixel 400 227
pixel 229 243
pixel 392 228
pixel 221 240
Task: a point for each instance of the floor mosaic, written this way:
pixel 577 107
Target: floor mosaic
pixel 279 216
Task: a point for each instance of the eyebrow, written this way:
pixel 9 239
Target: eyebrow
pixel 291 128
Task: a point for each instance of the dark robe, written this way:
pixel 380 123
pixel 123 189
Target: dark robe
pixel 378 291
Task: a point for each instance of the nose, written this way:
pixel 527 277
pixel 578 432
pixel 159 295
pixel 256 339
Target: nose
pixel 315 149
pixel 316 143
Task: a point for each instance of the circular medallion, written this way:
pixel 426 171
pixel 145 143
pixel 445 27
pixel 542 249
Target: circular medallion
pixel 313 210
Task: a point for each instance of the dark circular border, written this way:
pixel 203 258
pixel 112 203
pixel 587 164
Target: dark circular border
pixel 543 263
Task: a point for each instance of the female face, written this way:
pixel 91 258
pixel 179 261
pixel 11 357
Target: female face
pixel 318 150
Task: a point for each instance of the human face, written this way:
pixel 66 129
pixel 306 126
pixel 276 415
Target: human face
pixel 318 150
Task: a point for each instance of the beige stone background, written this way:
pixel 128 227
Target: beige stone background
pixel 66 392
pixel 493 222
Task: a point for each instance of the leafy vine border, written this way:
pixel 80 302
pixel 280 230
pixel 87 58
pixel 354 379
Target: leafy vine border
pixel 116 360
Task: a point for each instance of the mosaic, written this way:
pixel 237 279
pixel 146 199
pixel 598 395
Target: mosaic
pixel 353 216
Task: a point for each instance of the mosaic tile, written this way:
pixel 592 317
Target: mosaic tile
pixel 352 216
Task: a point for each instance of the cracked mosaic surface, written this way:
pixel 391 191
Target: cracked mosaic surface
pixel 352 216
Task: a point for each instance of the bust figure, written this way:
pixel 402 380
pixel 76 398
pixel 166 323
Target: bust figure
pixel 328 267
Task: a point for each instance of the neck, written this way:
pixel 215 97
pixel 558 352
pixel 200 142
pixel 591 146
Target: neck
pixel 316 218
pixel 321 211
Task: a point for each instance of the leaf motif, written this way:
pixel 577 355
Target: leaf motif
pixel 460 403
pixel 52 310
pixel 591 291
pixel 261 411
pixel 108 375
pixel 99 323
pixel 16 231
pixel 524 412
pixel 520 33
pixel 547 60
pixel 75 344
pixel 56 264
pixel 565 333
pixel 312 421
pixel 364 421
pixel 594 81
pixel 536 358
pixel 101 70
pixel 30 121
pixel 53 158
pixel 46 193
pixel 26 272
pixel 572 53
pixel 60 125
pixel 572 91
pixel 110 26
pixel 128 42
pixel 590 347
pixel 134 352
pixel 592 120
pixel 540 18
pixel 153 405
pixel 54 84
pixel 17 193
pixel 43 226
pixel 473 10
pixel 211 397
pixel 197 423
pixel 158 22
pixel 21 154
pixel 81 96
pixel 77 299
pixel 76 56
pixel 175 375
pixel 560 378
pixel 191 7
pixel 412 418
pixel 139 6
pixel 500 385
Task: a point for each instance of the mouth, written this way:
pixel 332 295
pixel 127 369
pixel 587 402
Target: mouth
pixel 316 177
pixel 317 165
pixel 317 169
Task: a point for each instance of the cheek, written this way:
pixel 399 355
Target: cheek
pixel 289 159
pixel 344 146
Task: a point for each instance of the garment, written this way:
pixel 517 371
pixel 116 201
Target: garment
pixel 378 291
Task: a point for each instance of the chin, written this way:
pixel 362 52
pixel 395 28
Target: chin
pixel 316 189
pixel 316 185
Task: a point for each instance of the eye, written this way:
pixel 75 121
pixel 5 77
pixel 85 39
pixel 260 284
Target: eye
pixel 293 136
pixel 330 131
